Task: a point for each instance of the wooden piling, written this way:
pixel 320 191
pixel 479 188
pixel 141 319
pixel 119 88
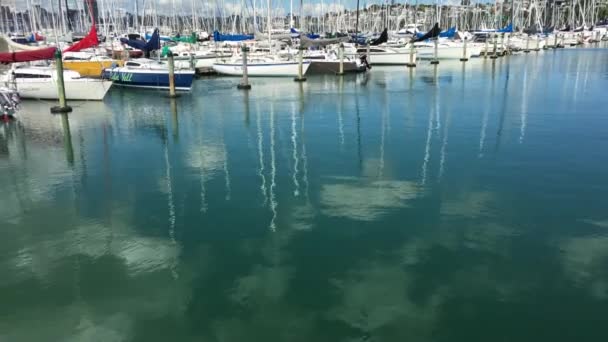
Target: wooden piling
pixel 300 77
pixel 412 62
pixel 244 85
pixel 63 106
pixel 435 60
pixel 495 48
pixel 172 93
pixel 555 41
pixel 464 50
pixel 485 51
pixel 527 49
pixel 341 55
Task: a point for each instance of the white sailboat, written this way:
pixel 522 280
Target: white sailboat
pixel 382 54
pixel 260 66
pixel 41 83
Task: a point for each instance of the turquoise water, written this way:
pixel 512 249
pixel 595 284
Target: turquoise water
pixel 463 203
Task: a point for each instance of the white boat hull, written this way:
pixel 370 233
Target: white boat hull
pixel 390 58
pixel 444 52
pixel 75 89
pixel 262 70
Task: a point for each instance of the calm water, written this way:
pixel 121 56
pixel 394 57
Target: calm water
pixel 467 203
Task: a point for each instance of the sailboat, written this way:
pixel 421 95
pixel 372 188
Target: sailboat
pixel 148 73
pixel 268 66
pixel 37 82
pixel 40 82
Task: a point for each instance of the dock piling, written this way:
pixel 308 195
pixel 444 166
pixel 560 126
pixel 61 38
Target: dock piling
pixel 485 51
pixel 555 41
pixel 300 77
pixel 527 49
pixel 435 60
pixel 341 53
pixel 412 63
pixel 537 48
pixel 245 81
pixel 171 60
pixel 63 106
pixel 495 48
pixel 464 50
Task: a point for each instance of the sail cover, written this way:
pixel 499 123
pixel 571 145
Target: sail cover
pixel 150 45
pixel 382 39
pixel 434 32
pixel 218 37
pixel 89 41
pixel 295 34
pixel 27 56
pixel 185 39
pixel 507 29
pixel 449 33
pixel 306 42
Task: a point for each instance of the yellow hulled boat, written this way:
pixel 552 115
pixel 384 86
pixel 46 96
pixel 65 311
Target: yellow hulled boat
pixel 88 64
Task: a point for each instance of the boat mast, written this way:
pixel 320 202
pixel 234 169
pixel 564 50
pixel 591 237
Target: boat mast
pixel 67 12
pixel 357 26
pixel 291 13
pixel 194 20
pixel 269 25
pixel 136 19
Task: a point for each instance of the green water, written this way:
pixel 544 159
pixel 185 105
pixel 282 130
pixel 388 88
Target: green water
pixel 464 203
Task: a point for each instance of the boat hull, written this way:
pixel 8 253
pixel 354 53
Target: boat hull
pixel 120 53
pixel 75 89
pixel 262 70
pixel 150 79
pixel 332 67
pixel 390 58
pixel 445 53
pixel 90 69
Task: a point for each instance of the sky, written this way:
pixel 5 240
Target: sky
pixel 314 7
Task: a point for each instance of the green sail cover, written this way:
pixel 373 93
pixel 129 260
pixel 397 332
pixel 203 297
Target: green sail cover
pixel 188 39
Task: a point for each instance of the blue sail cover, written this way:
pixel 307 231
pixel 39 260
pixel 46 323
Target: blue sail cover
pixel 162 38
pixel 296 34
pixel 507 29
pixel 450 33
pixel 360 39
pixel 152 44
pixel 218 37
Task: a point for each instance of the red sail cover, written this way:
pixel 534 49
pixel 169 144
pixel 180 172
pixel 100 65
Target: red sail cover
pixel 27 56
pixel 87 42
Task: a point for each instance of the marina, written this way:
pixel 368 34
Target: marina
pixel 396 173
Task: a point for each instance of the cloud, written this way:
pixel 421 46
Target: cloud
pixel 366 201
pixel 470 204
pixel 375 302
pixel 585 260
